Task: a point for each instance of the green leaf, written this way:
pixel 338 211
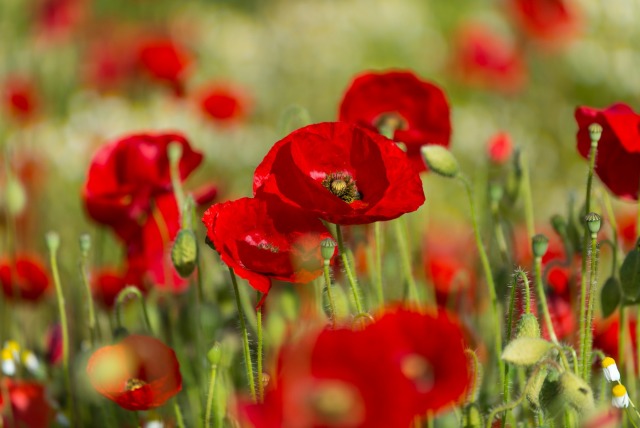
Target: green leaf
pixel 610 296
pixel 526 351
pixel 630 274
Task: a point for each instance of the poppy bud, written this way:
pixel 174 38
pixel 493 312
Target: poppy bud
pixel 16 196
pixel 53 241
pixel 539 245
pixel 85 244
pixel 214 354
pixel 184 252
pixel 559 225
pixel 440 160
pixel 471 417
pixel 327 249
pixel 594 221
pixel 526 351
pixel 576 392
pixel 620 397
pixel 595 132
pixel 528 326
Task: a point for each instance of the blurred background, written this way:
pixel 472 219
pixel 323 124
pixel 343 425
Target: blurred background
pixel 76 73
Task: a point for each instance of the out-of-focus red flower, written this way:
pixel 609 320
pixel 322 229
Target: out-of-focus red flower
pixel 419 109
pixel 152 247
pixel 126 175
pixel 618 159
pixel 628 229
pixel 138 373
pixel 109 62
pixel 500 148
pixel 53 344
pixel 108 283
pixel 24 279
pixel 434 365
pixel 264 240
pixel 19 98
pixel 449 264
pixel 29 404
pixel 484 59
pixel 606 334
pixel 328 381
pixel 56 19
pixel 546 20
pixel 562 318
pixel 341 173
pixel 164 60
pixel 223 103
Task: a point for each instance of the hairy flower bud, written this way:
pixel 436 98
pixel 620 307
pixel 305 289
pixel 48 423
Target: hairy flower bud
pixel 528 326
pixel 184 253
pixel 440 160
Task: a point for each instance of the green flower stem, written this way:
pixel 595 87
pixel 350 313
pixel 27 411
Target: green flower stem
pixel 377 232
pixel 591 297
pixel 53 243
pixel 543 299
pixel 245 337
pixel 174 153
pixel 563 357
pixel 499 234
pixel 512 307
pixel 583 267
pixel 210 396
pixel 327 281
pixel 347 268
pixel 131 290
pixel 574 358
pixel 489 278
pixel 405 257
pixel 259 356
pixel 94 330
pixel 178 413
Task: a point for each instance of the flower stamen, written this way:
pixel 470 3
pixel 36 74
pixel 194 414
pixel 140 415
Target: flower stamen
pixel 343 186
pixel 133 384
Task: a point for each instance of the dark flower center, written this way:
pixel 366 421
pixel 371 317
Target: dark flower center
pixel 133 384
pixel 343 186
pixel 390 122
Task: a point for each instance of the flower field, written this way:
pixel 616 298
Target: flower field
pixel 319 213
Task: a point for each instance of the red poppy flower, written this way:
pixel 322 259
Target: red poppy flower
pixel 138 373
pixel 562 318
pixel 53 344
pixel 433 364
pixel 341 173
pixel 24 279
pixel 628 229
pixel 263 240
pixel 606 336
pixel 164 60
pixel 109 62
pixel 618 159
pixel 223 103
pixel 57 18
pixel 29 404
pixel 500 148
pixel 108 283
pixel 126 174
pixel 20 99
pixel 484 59
pixel 546 20
pixel 420 108
pixel 328 381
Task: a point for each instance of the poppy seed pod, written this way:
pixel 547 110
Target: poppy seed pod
pixel 594 222
pixel 595 132
pixel 539 245
pixel 327 249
